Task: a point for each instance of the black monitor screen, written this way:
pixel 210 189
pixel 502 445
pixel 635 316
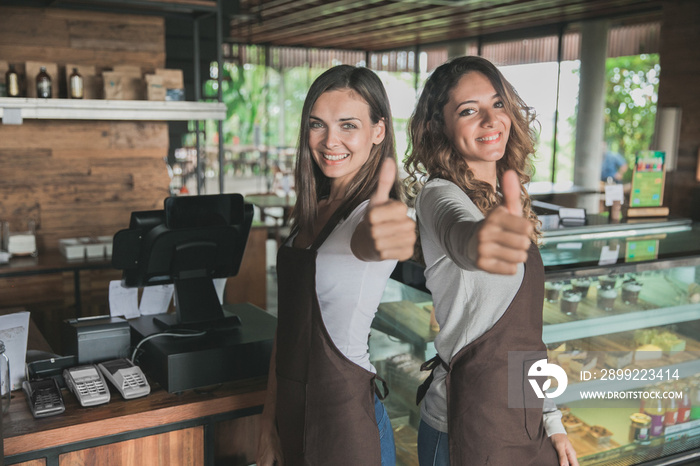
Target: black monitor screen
pixel 193 240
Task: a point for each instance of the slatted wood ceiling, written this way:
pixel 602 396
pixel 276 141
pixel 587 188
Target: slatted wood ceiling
pixel 375 25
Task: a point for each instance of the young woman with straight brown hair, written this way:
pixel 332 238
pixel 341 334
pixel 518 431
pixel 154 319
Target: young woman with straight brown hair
pixel 348 231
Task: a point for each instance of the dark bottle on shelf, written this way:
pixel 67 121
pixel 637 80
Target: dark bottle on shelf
pixel 43 84
pixel 12 82
pixel 75 85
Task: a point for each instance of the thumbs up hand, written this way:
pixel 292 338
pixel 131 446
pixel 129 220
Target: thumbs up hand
pixel 504 237
pixel 386 232
pixel 387 176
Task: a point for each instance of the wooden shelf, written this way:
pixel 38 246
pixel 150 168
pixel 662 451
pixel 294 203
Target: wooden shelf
pixel 130 110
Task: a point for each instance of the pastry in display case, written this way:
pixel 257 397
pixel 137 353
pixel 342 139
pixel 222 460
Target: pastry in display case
pixel 621 316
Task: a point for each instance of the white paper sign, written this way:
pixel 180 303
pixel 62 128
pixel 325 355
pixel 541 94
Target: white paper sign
pixel 14 330
pixel 123 302
pixel 156 299
pixel 609 256
pixel 614 192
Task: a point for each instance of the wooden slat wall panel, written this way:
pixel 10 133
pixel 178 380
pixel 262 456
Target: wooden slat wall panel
pixel 63 55
pixel 87 193
pixel 22 291
pixel 80 37
pixel 84 136
pixel 77 178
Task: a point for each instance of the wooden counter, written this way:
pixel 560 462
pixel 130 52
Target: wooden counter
pixel 195 428
pixel 205 426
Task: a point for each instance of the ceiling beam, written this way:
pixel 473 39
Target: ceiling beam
pixel 381 24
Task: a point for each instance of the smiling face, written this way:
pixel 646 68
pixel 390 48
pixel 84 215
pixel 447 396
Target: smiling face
pixel 477 124
pixel 341 135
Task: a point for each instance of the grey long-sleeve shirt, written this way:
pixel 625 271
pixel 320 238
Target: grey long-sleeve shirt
pixel 467 301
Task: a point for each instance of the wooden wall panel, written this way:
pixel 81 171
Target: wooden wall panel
pixel 77 178
pixel 87 193
pixel 84 136
pixel 178 448
pixel 23 291
pixel 81 37
pixel 680 66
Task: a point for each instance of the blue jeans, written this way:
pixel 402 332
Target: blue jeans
pixel 386 434
pixel 433 449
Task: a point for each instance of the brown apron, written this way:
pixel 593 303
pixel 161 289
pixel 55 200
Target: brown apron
pixel 325 402
pixel 482 428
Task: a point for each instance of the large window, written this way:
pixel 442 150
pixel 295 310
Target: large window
pixel 264 89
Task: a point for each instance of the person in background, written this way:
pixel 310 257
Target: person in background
pixel 614 166
pixel 470 155
pixel 348 231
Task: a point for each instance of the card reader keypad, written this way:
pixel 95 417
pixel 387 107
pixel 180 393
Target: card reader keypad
pixel 91 387
pixel 47 400
pixel 133 381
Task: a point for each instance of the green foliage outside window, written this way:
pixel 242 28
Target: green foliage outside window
pixel 264 105
pixel 630 104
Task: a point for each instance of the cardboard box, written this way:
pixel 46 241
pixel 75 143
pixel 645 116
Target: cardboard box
pixel 32 69
pixel 172 79
pixel 154 87
pixel 120 86
pixel 128 70
pixel 173 82
pixel 92 83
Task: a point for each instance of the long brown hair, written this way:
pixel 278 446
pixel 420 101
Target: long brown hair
pixel 312 185
pixel 432 154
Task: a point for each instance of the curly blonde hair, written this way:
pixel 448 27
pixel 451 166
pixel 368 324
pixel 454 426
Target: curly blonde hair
pixel 432 155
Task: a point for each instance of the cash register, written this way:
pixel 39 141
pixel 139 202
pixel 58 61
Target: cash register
pixel 191 242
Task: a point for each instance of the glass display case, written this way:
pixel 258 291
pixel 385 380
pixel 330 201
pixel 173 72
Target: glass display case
pixel 621 317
